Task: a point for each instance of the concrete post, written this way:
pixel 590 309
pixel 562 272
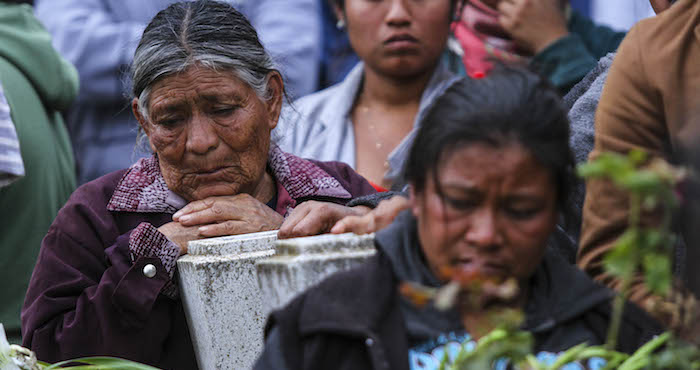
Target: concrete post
pixel 220 293
pixel 302 262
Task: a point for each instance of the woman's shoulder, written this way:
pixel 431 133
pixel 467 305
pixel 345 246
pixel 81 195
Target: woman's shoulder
pixel 576 309
pixel 99 190
pixel 343 299
pixel 353 182
pixel 328 98
pixel 88 203
pixel 312 103
pixel 325 107
pixel 343 306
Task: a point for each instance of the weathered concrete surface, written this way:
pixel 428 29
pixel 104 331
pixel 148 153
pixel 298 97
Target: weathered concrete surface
pixel 219 290
pixel 302 262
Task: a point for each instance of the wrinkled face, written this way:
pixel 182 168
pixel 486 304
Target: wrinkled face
pixel 497 212
pixel 211 131
pixel 397 38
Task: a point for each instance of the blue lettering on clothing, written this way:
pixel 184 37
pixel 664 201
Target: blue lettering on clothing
pixel 428 355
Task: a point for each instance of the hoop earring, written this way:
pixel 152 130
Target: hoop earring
pixel 340 24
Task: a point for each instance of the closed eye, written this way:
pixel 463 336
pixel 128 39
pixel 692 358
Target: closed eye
pixel 224 111
pixel 460 204
pixel 523 213
pixel 168 122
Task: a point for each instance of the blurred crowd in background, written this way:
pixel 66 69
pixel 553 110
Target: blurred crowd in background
pixel 71 109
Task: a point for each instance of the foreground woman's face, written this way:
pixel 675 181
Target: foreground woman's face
pixel 497 211
pixel 211 133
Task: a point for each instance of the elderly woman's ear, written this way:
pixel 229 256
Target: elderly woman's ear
pixel 143 121
pixel 275 92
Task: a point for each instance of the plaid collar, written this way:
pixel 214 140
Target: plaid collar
pixel 143 189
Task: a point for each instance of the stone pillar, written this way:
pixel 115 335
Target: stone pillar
pixel 219 290
pixel 302 262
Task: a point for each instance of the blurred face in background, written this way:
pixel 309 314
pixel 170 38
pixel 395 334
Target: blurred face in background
pixel 397 38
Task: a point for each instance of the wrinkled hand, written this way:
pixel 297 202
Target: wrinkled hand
pixel 313 218
pixel 377 219
pixel 228 215
pixel 533 24
pixel 180 235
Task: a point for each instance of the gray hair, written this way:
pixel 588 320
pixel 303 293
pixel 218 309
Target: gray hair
pixel 205 32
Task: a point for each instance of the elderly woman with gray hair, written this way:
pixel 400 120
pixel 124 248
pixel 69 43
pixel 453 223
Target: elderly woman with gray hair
pixel 207 98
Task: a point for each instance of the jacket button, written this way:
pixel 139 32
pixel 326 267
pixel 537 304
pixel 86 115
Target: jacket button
pixel 369 342
pixel 149 270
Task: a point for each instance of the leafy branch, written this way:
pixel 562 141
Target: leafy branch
pixel 640 251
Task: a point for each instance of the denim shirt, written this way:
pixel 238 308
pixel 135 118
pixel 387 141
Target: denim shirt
pixel 319 127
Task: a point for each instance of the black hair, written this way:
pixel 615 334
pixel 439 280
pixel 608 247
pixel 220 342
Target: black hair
pixel 209 32
pixel 510 105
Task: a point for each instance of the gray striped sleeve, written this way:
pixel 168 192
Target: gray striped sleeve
pixel 11 165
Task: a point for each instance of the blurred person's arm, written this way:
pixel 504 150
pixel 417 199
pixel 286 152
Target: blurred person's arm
pixel 290 30
pixel 385 207
pixel 11 164
pixel 567 60
pixel 90 296
pixel 100 47
pixel 564 50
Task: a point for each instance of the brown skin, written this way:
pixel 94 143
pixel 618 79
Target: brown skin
pixel 660 5
pixel 533 24
pixel 396 72
pixel 211 133
pixel 380 217
pixel 313 218
pixel 496 214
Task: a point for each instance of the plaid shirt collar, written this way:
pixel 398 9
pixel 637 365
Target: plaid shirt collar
pixel 143 188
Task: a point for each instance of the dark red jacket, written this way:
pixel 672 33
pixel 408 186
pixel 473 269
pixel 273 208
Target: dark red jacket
pixel 86 296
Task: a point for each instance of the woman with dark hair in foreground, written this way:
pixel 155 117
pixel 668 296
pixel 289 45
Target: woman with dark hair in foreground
pixel 489 171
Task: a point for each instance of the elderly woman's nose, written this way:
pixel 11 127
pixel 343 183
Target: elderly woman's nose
pixel 483 230
pixel 201 135
pixel 399 13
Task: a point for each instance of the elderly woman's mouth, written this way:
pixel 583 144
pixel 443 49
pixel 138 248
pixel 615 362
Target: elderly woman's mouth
pixel 211 171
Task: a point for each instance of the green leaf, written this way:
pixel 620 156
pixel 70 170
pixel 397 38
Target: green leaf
pixel 657 272
pixel 570 355
pixel 499 343
pixel 621 261
pixel 607 165
pixel 641 182
pixel 637 156
pixel 649 347
pixel 101 363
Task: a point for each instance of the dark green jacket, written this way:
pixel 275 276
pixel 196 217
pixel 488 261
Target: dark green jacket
pixel 37 83
pixel 569 59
